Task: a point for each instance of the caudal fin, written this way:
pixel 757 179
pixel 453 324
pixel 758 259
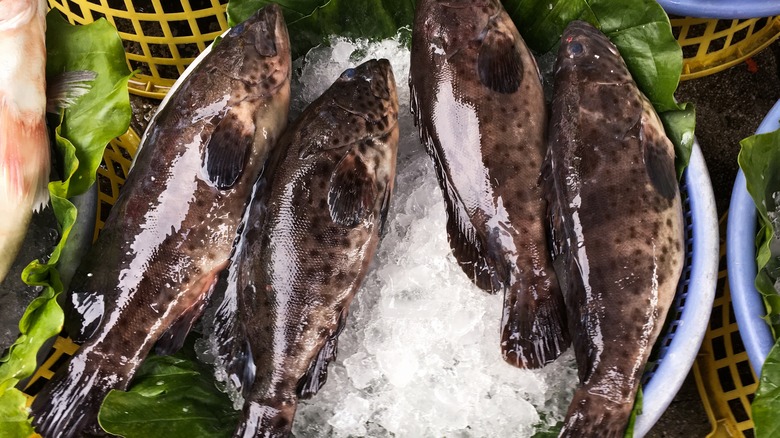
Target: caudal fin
pixel 533 326
pixel 68 405
pixel 592 415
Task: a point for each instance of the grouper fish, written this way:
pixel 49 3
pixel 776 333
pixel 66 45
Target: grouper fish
pixel 615 207
pixel 478 103
pixel 172 230
pixel 311 232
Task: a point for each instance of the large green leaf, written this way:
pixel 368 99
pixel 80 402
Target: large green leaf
pixel 171 396
pixel 759 160
pixel 84 130
pixel 13 415
pixel 311 22
pixel 766 404
pixel 104 112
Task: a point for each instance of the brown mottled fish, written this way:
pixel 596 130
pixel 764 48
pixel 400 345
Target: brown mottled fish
pixel 311 233
pixel 172 230
pixel 478 103
pixel 615 204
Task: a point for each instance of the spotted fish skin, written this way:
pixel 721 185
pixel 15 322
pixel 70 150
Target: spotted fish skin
pixel 173 227
pixel 615 201
pixel 312 231
pixel 478 103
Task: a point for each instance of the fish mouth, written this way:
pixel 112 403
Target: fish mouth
pixel 377 75
pixel 267 31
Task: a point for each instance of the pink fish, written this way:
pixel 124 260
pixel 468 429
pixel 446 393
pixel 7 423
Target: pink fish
pixel 24 144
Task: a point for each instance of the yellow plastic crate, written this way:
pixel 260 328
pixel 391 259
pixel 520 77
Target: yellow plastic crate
pixel 710 45
pixel 723 374
pixel 161 37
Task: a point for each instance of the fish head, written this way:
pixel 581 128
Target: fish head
pixel 450 26
pixel 588 55
pixel 368 90
pixel 361 105
pixel 257 51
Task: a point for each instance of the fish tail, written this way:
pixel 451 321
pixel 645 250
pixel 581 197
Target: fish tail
pixel 533 328
pixel 68 405
pixel 268 420
pixel 592 415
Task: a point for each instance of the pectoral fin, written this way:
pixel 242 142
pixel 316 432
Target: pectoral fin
pixel 67 87
pixel 352 191
pixel 173 338
pixel 228 148
pixel 499 64
pixel 659 162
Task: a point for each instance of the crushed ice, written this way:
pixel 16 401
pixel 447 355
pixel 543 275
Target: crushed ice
pixel 420 354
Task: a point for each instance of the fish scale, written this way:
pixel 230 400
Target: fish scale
pixel 612 188
pixel 478 104
pixel 148 276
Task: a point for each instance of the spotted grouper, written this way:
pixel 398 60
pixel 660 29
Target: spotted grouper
pixel 312 230
pixel 615 204
pixel 173 228
pixel 478 103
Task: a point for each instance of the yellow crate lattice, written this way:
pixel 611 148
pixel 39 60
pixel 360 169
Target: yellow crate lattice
pixel 710 46
pixel 722 370
pixel 161 38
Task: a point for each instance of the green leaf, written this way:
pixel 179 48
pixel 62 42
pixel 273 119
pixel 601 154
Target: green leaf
pixel 104 112
pixel 679 126
pixel 84 130
pixel 13 415
pixel 759 159
pixel 171 396
pixel 635 412
pixel 766 403
pixel 311 22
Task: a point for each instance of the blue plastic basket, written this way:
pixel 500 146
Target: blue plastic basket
pixel 690 313
pixel 722 9
pixel 741 258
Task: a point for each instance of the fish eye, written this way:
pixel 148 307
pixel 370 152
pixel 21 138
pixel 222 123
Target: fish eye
pixel 237 29
pixel 575 49
pixel 348 73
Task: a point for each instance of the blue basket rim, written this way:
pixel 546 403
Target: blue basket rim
pixel 741 260
pixel 721 9
pixel 669 377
